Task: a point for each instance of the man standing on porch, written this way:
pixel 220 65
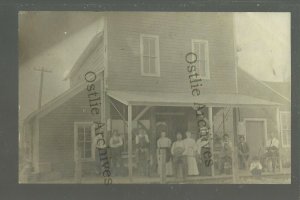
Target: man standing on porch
pixel 142 152
pixel 100 145
pixel 202 120
pixel 190 149
pixel 179 160
pixel 164 144
pixel 115 144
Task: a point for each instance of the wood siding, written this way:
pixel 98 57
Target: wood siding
pixel 94 62
pixel 270 115
pixel 265 113
pixel 175 31
pixel 57 134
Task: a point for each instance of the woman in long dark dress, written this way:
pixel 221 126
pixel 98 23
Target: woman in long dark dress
pixel 164 144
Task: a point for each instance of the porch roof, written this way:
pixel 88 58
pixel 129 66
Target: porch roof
pixel 186 99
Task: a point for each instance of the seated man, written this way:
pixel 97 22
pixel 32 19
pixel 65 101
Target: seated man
pixel 272 153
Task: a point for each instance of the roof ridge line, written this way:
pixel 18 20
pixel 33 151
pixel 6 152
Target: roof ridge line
pixel 267 86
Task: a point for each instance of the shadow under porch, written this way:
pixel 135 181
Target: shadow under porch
pixel 179 118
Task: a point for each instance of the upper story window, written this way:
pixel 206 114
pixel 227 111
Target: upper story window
pixel 149 55
pixel 200 48
pixel 285 128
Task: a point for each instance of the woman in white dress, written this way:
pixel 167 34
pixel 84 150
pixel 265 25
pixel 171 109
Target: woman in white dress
pixel 164 143
pixel 190 148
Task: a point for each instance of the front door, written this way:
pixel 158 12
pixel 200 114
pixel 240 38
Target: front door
pixel 255 136
pixel 173 123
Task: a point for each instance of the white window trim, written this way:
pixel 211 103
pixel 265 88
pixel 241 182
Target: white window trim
pixel 206 57
pixel 76 124
pixel 157 64
pixel 280 114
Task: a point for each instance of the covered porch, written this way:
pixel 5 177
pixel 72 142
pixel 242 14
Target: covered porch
pixel 154 112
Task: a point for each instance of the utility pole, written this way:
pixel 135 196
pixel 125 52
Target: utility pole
pixel 41 70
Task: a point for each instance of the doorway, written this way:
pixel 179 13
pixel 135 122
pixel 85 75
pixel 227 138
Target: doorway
pixel 172 124
pixel 256 130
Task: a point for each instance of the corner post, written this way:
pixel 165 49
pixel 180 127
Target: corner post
pixel 130 141
pixel 211 131
pixel 279 136
pixel 235 149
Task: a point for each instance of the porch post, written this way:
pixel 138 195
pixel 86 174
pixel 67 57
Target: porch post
pixel 234 149
pixel 279 136
pixel 153 140
pixel 211 131
pixel 130 141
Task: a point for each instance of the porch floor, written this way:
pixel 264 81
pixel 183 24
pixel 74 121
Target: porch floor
pixel 244 178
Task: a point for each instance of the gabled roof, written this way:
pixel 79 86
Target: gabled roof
pixel 86 52
pixel 130 97
pixel 284 88
pixel 54 103
pixel 249 85
pixel 74 90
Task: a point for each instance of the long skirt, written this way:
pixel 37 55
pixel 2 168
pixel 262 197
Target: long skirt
pixel 168 161
pixel 192 166
pixel 143 161
pixel 180 166
pixel 169 168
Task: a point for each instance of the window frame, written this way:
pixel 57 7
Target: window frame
pixel 157 61
pixel 76 126
pixel 282 130
pixel 207 67
pixel 253 119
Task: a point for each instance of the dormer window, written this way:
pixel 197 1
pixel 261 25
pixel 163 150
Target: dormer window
pixel 200 48
pixel 149 45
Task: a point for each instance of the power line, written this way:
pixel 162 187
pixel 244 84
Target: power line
pixel 42 70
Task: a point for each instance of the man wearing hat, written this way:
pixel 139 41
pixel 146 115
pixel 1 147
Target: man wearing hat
pixel 116 144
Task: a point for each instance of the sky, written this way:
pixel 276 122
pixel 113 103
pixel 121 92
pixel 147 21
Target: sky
pixel 50 40
pixel 54 41
pixel 263 41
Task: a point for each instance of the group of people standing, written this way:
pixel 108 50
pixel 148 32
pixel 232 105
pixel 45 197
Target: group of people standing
pixel 187 156
pixel 184 157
